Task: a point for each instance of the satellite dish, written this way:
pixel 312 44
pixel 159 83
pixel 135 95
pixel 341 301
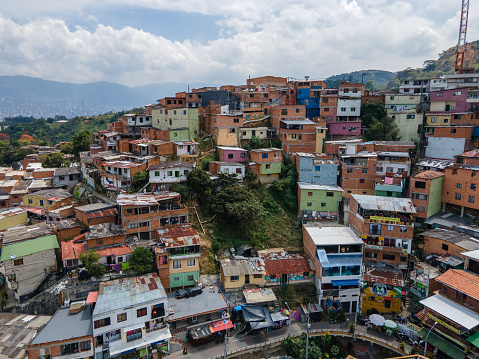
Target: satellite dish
pixel 12 256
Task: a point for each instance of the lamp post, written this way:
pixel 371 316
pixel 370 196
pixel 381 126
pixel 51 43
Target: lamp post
pixel 307 332
pixel 427 336
pixel 289 322
pixel 226 338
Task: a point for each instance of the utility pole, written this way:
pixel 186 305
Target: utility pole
pixel 289 321
pixel 307 331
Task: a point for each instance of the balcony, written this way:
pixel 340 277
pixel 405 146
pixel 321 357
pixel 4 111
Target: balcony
pixel 393 250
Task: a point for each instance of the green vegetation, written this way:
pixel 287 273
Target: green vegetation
pixel 81 142
pixel 285 190
pixel 141 260
pixel 90 262
pixel 379 126
pixel 54 160
pixel 140 179
pixel 11 152
pixel 377 77
pixel 318 347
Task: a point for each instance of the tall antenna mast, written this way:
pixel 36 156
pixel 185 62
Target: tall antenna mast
pixel 461 43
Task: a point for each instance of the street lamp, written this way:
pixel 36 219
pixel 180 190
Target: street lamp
pixel 289 322
pixel 427 336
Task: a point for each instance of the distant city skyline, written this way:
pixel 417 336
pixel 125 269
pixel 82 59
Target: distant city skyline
pixel 151 41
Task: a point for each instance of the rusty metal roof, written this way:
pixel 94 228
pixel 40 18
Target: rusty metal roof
pixel 287 265
pixel 426 175
pixel 389 277
pixel 105 213
pixel 179 236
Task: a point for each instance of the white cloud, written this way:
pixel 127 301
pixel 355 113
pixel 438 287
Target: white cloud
pixel 277 37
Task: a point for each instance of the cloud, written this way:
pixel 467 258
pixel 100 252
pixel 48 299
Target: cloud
pixel 268 37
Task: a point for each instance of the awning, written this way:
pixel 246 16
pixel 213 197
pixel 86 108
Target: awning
pixel 343 260
pixel 92 297
pixel 220 325
pixel 474 339
pixel 451 310
pixel 118 347
pixel 442 345
pixel 200 332
pixel 337 283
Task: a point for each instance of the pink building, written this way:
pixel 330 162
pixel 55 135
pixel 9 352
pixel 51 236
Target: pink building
pixel 232 154
pixel 453 100
pixel 352 128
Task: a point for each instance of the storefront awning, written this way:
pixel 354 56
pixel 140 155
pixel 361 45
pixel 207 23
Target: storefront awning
pixel 474 339
pixel 451 310
pixel 220 325
pixel 337 283
pixel 118 347
pixel 442 344
pixel 343 260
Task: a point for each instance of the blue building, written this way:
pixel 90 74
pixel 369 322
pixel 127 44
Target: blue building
pixel 317 169
pixel 310 98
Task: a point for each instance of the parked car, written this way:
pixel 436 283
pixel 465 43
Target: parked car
pixel 181 293
pixel 193 292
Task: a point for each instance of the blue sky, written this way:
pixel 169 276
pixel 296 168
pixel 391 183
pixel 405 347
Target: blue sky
pixel 221 42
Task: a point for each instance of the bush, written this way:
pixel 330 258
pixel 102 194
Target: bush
pixel 141 260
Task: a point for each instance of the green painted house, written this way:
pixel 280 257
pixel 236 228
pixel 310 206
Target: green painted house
pixel 316 201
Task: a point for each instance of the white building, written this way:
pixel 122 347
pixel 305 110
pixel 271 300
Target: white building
pixel 337 256
pixel 164 174
pixel 228 168
pixel 130 316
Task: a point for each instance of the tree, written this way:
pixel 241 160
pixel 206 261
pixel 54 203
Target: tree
pixel 372 109
pixel 90 262
pixel 199 181
pixel 141 260
pixel 140 179
pixel 67 148
pixel 81 142
pixel 369 85
pixel 182 190
pixel 383 130
pixel 334 351
pixel 52 160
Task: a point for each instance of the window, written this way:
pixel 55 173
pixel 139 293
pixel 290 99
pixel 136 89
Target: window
pixel 473 186
pixel 236 120
pixel 176 264
pixel 257 276
pixel 390 228
pixel 234 278
pixel 284 112
pixel 157 173
pixel 389 257
pixel 41 202
pixel 318 168
pixel 459 185
pixel 420 184
pixel 371 255
pixel 268 166
pixel 453 130
pixel 242 155
pixel 445 247
pixel 433 119
pixel 362 180
pixel 402 259
pixel 169 173
pixel 323 204
pixel 67 349
pixel 421 208
pixel 132 225
pixel 353 109
pixel 309 204
pixel 387 303
pixel 18 262
pixel 403 229
pixel 457 196
pixel 141 312
pixel 471 199
pixel 133 334
pixel 230 155
pixel 101 323
pixel 343 109
pixel 401 170
pixel 121 317
pixel 190 262
pixel 264 155
pixel 329 194
pixel 439 94
pixel 85 346
pixel 190 278
pixel 364 171
pixel 457 93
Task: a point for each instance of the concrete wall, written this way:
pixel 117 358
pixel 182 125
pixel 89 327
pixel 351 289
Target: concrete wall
pixel 319 200
pixel 309 172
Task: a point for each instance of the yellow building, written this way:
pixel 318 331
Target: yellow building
pixel 11 217
pixel 320 138
pixel 380 298
pixel 48 199
pixel 236 274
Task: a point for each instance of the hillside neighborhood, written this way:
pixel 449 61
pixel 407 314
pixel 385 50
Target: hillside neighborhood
pixel 243 211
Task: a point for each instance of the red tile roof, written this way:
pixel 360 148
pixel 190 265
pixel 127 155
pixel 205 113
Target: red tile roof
pixel 286 266
pixel 67 249
pixel 462 281
pixel 113 251
pixel 384 276
pixel 428 175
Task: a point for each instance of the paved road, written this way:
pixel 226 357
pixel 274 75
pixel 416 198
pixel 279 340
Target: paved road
pixel 242 342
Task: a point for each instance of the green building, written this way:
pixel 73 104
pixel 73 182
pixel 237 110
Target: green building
pixel 318 201
pixel 388 190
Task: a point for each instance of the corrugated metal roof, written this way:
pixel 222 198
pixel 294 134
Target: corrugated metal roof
pixel 25 248
pixel 395 204
pixel 323 187
pixel 232 267
pixel 145 199
pixel 388 277
pixel 170 165
pixel 179 236
pixel 452 310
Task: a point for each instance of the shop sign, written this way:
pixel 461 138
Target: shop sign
pixel 384 219
pixel 444 324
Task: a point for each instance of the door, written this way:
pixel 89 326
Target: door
pixel 246 279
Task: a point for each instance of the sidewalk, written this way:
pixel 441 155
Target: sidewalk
pixel 242 341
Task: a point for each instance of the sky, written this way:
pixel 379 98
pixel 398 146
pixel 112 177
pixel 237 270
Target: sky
pixel 140 42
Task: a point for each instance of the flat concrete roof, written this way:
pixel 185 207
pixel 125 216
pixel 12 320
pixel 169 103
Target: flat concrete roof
pixel 205 302
pixel 331 234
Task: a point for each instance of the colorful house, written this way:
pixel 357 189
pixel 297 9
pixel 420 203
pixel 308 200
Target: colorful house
pixel 314 198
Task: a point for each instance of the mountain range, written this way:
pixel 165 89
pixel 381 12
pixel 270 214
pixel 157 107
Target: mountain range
pixel 27 96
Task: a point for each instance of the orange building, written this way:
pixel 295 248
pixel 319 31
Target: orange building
pixel 358 173
pixel 287 113
pixel 266 163
pixel 142 214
